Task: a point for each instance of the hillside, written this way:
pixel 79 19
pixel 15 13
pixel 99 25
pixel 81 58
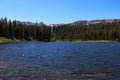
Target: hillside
pixel 94 30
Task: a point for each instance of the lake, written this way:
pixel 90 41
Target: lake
pixel 60 61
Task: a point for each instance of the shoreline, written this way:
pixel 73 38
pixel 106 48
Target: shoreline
pixel 5 40
pixel 85 41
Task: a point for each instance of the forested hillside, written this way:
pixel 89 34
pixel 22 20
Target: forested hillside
pixel 100 31
pixel 14 29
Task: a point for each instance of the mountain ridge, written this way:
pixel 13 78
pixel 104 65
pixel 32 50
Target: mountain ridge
pixel 79 22
pixel 88 22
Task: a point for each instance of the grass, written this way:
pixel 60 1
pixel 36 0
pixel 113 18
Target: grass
pixel 84 41
pixel 94 41
pixel 5 40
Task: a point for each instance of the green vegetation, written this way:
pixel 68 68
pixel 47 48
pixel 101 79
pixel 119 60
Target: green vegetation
pixel 93 32
pixel 14 31
pixel 4 40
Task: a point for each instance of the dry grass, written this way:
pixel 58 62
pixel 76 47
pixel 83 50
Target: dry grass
pixel 5 40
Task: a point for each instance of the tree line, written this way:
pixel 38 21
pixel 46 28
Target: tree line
pixel 17 30
pixel 101 31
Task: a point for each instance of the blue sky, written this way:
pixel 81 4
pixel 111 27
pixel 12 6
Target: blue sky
pixel 59 11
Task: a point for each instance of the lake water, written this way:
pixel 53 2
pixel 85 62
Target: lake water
pixel 60 61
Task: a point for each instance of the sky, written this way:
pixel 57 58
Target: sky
pixel 59 11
